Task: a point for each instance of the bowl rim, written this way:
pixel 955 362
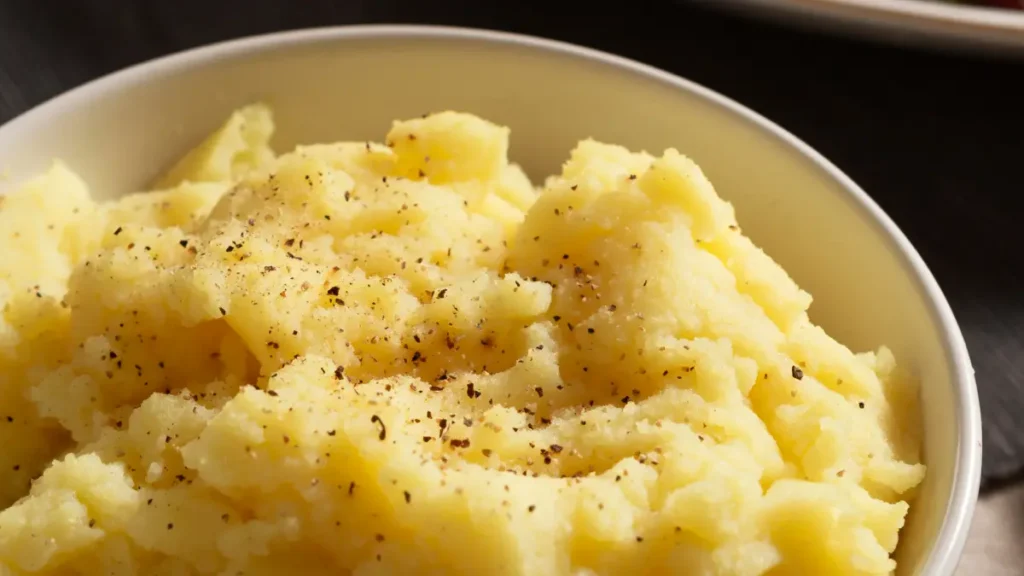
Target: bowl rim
pixel 948 547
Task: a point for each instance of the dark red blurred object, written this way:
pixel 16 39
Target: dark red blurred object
pixel 1013 4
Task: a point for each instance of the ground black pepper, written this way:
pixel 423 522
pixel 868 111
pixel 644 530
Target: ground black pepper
pixel 380 423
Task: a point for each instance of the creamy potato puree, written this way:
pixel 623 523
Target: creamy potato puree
pixel 402 358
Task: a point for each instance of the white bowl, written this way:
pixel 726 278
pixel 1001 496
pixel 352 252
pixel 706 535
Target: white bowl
pixel 928 22
pixel 869 283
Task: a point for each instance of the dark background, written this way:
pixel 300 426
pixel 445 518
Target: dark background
pixel 936 138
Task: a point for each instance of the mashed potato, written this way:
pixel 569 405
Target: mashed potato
pixel 402 358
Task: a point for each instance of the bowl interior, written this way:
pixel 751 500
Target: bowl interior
pixel 333 85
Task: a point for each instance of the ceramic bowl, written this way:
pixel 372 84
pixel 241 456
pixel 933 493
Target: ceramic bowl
pixel 870 285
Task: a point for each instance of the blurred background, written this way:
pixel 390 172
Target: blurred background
pixel 935 133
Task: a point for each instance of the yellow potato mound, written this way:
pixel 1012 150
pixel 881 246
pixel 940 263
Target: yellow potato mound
pixel 357 358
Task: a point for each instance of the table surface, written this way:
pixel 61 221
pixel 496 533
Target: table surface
pixel 994 546
pixel 936 138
